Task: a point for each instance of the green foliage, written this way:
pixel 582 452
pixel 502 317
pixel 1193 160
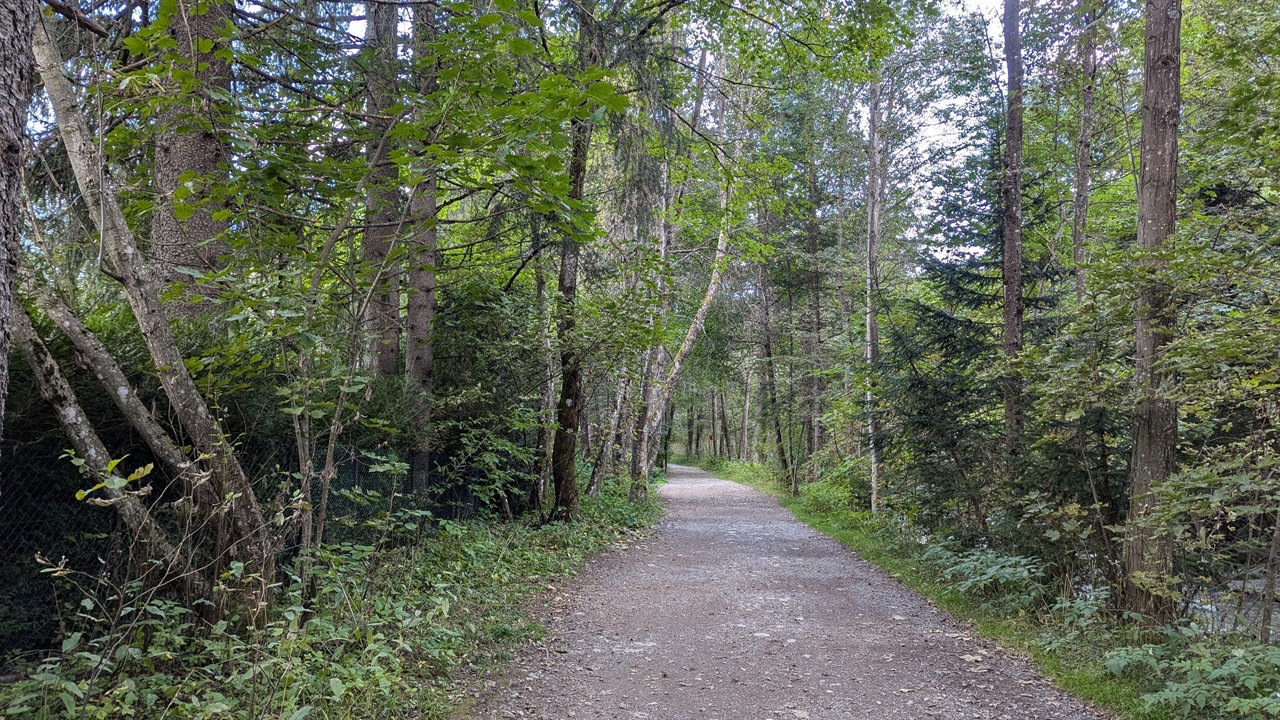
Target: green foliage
pixel 1205 678
pixel 383 633
pixel 1003 582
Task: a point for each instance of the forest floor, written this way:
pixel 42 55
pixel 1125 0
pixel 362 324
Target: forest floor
pixel 734 610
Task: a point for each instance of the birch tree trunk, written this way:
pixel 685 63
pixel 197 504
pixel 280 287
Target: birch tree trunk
pixel 875 237
pixel 640 483
pixel 148 536
pixel 17 20
pixel 1147 554
pixel 123 261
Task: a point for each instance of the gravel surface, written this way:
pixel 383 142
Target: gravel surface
pixel 734 610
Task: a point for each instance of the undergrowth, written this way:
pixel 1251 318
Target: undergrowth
pixel 1070 641
pixel 388 630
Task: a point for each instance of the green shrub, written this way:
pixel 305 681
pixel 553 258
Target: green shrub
pixel 1203 678
pixel 379 638
pixel 1004 582
pixel 826 496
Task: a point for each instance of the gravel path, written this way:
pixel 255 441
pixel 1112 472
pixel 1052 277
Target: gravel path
pixel 734 610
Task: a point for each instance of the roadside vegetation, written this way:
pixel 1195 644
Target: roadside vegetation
pixel 1082 644
pixel 398 628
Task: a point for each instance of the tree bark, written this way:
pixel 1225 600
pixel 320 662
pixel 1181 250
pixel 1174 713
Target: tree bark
pixel 547 397
pixel 424 257
pixel 123 261
pixel 816 384
pixel 607 443
pixel 108 371
pixel 382 199
pixel 17 20
pixel 875 238
pixel 771 381
pixel 1011 199
pixel 564 453
pixel 189 146
pixel 148 536
pixel 1147 554
pixel 1084 143
pixel 1269 585
pixel 724 428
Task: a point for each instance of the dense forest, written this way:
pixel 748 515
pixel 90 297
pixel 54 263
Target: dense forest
pixel 320 315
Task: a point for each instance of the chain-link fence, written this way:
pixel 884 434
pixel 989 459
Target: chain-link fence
pixel 42 524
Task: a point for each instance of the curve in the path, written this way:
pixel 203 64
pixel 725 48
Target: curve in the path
pixel 734 610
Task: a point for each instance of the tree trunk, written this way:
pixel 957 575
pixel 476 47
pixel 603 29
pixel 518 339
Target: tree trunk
pixel 771 381
pixel 383 206
pixel 667 388
pixel 1269 586
pixel 875 238
pixel 1084 144
pixel 108 371
pixel 1011 199
pixel 605 455
pixel 697 433
pixel 1148 555
pixel 688 424
pixel 715 427
pixel 564 453
pixel 17 18
pixel 724 428
pixel 424 257
pixel 547 398
pixel 189 144
pixel 123 261
pixel 816 383
pixel 148 536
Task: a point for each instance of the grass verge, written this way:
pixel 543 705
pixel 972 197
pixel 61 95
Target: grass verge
pixel 1076 667
pixel 395 629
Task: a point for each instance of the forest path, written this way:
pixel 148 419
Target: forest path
pixel 735 610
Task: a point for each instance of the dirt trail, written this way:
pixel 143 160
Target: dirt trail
pixel 734 610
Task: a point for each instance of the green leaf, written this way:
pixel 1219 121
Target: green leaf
pixel 71 642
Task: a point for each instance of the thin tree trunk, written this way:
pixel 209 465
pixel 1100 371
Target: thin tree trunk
pixel 724 428
pixel 771 382
pixel 688 424
pixel 1269 587
pixel 149 537
pixel 17 19
pixel 715 427
pixel 124 262
pixel 605 456
pixel 1084 143
pixel 1011 199
pixel 744 439
pixel 547 398
pixel 108 371
pixel 383 205
pixel 816 383
pixel 875 238
pixel 1148 554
